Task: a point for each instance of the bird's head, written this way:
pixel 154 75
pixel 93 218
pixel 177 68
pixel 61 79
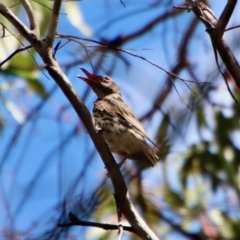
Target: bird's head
pixel 101 85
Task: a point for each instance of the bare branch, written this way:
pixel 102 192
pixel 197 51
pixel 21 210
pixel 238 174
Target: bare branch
pixel 215 30
pixel 14 53
pixel 53 24
pixel 231 28
pixel 32 20
pixel 75 221
pixel 16 22
pixel 169 73
pixel 153 23
pixel 225 17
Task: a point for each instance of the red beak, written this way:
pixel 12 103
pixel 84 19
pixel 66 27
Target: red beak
pixel 90 79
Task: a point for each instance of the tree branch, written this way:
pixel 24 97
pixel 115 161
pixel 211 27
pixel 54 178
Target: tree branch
pixel 53 24
pixel 44 49
pixel 215 29
pixel 32 20
pixel 225 17
pixel 14 53
pixel 75 221
pixel 23 30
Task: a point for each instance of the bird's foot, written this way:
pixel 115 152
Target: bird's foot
pixel 98 129
pixel 119 165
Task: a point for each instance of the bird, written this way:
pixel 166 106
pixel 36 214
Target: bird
pixel 122 131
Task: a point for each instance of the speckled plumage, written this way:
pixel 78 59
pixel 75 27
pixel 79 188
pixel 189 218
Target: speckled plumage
pixel 121 130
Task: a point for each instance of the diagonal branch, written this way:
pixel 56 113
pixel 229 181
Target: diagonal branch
pixel 45 49
pixel 75 221
pixel 225 17
pixel 215 29
pixel 53 24
pixel 19 25
pixel 32 20
pixel 14 53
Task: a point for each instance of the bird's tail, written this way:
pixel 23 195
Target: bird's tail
pixel 154 144
pixel 151 155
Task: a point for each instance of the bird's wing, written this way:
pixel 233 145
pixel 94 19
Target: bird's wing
pixel 117 108
pixel 120 109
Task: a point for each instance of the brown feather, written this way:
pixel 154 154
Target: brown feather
pixel 116 108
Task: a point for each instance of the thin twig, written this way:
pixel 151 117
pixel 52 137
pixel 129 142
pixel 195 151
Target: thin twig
pixel 122 3
pixel 56 48
pixel 231 28
pixel 129 53
pixel 86 51
pixel 75 221
pixel 14 53
pixel 178 93
pixel 224 77
pixel 42 5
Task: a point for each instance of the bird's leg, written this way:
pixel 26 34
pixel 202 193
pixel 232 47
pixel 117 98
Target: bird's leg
pixel 96 126
pixel 121 163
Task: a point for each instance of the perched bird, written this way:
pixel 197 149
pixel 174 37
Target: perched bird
pixel 123 133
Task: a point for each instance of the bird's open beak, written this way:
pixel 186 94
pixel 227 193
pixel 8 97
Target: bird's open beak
pixel 90 79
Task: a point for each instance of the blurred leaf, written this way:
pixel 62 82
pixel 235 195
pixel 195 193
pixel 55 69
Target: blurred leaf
pixel 15 111
pixel 201 117
pixel 1 122
pixel 223 223
pixel 174 199
pixel 224 128
pixel 43 11
pixel 75 16
pixel 161 138
pixel 25 68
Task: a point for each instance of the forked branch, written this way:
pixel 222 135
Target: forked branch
pixel 215 28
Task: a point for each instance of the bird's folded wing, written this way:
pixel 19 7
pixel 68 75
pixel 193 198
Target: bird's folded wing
pixel 117 108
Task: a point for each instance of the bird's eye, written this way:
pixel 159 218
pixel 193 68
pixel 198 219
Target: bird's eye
pixel 106 79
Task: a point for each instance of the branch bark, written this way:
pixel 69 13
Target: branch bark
pixel 225 17
pixel 53 24
pixel 32 20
